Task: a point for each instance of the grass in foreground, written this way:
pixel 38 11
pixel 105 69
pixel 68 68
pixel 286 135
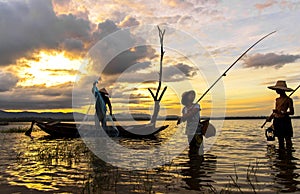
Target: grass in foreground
pixel 15 130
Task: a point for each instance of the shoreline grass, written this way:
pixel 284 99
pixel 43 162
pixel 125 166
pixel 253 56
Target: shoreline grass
pixel 14 130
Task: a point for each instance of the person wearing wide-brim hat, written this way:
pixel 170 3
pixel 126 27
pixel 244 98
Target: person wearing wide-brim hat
pixel 281 114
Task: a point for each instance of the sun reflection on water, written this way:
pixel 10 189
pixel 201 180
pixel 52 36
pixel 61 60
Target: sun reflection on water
pixel 67 165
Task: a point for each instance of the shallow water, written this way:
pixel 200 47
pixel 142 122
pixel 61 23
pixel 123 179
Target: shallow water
pixel 240 160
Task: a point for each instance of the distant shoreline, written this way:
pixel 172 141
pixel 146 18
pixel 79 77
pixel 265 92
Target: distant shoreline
pixel 4 121
pixel 69 117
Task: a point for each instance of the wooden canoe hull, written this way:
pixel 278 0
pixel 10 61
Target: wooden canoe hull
pixel 140 131
pixel 69 130
pixel 59 130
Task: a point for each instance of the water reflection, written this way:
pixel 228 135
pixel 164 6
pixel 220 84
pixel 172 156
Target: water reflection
pixel 103 177
pixel 198 171
pixel 67 165
pixel 284 165
pixel 47 164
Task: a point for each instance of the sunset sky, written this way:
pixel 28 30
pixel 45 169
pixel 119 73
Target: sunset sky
pixel 44 43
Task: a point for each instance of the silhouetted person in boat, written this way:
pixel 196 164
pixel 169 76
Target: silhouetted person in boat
pixel 281 114
pixel 102 99
pixel 191 114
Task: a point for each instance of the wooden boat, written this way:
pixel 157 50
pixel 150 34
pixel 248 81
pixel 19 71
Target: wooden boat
pixel 57 129
pixel 140 131
pixel 69 130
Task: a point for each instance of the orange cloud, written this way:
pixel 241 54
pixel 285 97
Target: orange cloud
pixel 129 21
pixel 177 3
pixel 262 6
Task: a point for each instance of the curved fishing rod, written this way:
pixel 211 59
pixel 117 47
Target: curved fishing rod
pixel 224 74
pixel 280 104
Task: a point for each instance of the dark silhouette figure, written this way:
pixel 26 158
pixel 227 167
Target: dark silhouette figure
pixel 281 114
pixel 191 115
pixel 102 99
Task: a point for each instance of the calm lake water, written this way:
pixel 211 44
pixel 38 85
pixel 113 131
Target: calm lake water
pixel 240 160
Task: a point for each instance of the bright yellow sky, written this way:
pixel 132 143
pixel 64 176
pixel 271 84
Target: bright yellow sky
pixel 52 68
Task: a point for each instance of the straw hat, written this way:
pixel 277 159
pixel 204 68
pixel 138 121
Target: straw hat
pixel 280 85
pixel 103 90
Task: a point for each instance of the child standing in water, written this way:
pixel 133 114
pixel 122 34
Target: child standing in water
pixel 283 109
pixel 191 114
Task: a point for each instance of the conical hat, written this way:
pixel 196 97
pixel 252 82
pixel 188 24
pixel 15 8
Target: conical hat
pixel 103 90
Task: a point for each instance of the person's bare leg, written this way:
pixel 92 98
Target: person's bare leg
pixel 289 143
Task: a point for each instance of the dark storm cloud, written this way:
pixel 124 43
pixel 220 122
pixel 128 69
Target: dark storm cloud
pixel 27 26
pixel 33 104
pixel 128 59
pixel 186 70
pixel 269 60
pixel 7 81
pixel 72 26
pixel 110 26
pixel 38 97
pixel 174 73
pixel 105 28
pixel 73 45
pixel 61 90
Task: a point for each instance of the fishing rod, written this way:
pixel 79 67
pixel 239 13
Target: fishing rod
pixel 280 104
pixel 224 74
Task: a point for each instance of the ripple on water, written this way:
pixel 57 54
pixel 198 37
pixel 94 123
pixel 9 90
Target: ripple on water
pixel 240 156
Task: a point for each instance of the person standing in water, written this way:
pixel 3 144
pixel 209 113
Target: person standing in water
pixel 191 115
pixel 102 99
pixel 105 96
pixel 282 123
